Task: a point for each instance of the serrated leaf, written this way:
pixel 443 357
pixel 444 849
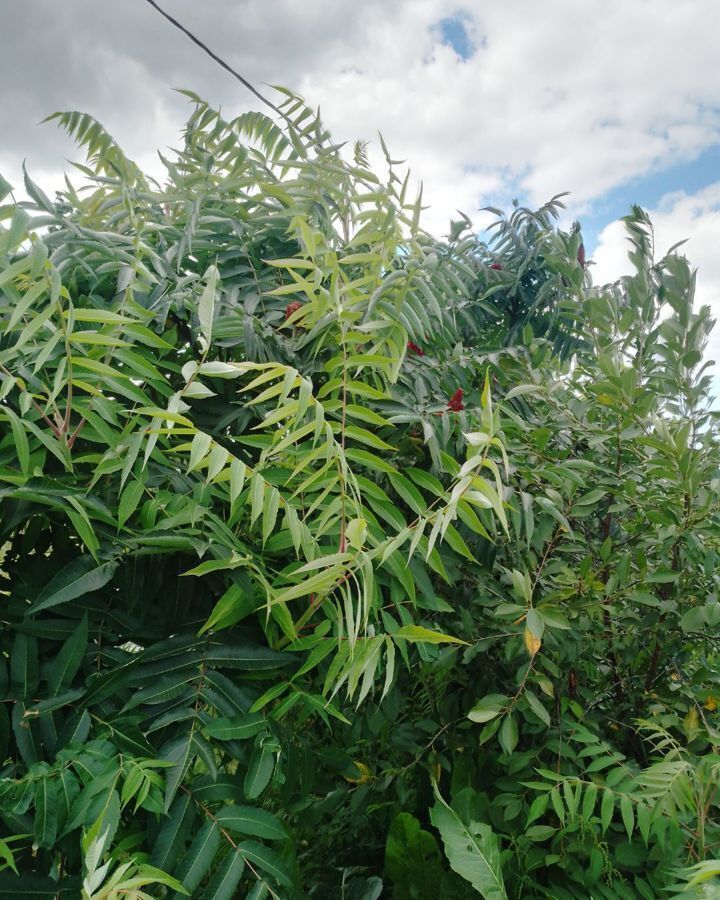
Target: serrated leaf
pixel 24 666
pixel 46 804
pixel 21 442
pixel 259 773
pixel 129 500
pixel 472 850
pixel 206 304
pixel 196 863
pixel 252 821
pixel 237 728
pixel 78 578
pixel 66 664
pixel 173 833
pixel 267 860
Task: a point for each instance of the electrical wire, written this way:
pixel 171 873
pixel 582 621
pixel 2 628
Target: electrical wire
pixel 215 57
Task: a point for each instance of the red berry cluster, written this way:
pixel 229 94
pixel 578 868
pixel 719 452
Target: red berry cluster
pixel 413 348
pixel 292 308
pixel 455 403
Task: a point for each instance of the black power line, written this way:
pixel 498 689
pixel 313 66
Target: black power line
pixel 214 56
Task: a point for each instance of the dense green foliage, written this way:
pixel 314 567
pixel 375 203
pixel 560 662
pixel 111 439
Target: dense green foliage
pixel 339 560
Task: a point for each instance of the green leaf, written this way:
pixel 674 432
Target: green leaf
pixel 259 773
pixel 412 857
pixel 535 622
pixel 628 814
pixel 419 634
pixel 223 884
pixel 173 833
pixel 180 752
pixel 46 804
pixel 508 735
pixel 251 821
pixel 196 862
pixel 486 709
pixel 67 663
pixel 267 860
pixel 24 666
pixel 5 188
pixel 206 305
pixel 237 728
pixel 21 442
pixel 82 576
pixel 606 809
pixel 129 500
pixel 246 656
pixel 472 850
pixel 199 448
pixel 537 707
pixel 28 886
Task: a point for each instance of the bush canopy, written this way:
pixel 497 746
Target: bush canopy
pixel 339 560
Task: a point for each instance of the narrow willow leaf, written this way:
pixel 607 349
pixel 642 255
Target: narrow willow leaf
pixel 588 804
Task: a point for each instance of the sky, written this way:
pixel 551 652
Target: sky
pixel 615 101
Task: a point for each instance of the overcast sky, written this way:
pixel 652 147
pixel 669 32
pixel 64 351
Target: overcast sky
pixel 617 101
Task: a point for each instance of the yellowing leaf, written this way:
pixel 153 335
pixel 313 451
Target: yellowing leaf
pixel 365 773
pixel 691 723
pixel 532 643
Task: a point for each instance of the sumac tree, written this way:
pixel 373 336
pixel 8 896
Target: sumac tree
pixel 338 558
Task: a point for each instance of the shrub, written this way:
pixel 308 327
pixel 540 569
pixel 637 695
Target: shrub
pixel 338 556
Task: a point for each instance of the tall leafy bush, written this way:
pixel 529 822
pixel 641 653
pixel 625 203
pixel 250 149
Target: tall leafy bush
pixel 340 558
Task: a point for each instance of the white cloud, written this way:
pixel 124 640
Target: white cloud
pixel 679 216
pixel 559 95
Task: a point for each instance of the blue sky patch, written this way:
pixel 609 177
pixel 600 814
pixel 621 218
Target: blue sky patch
pixel 689 176
pixel 453 33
